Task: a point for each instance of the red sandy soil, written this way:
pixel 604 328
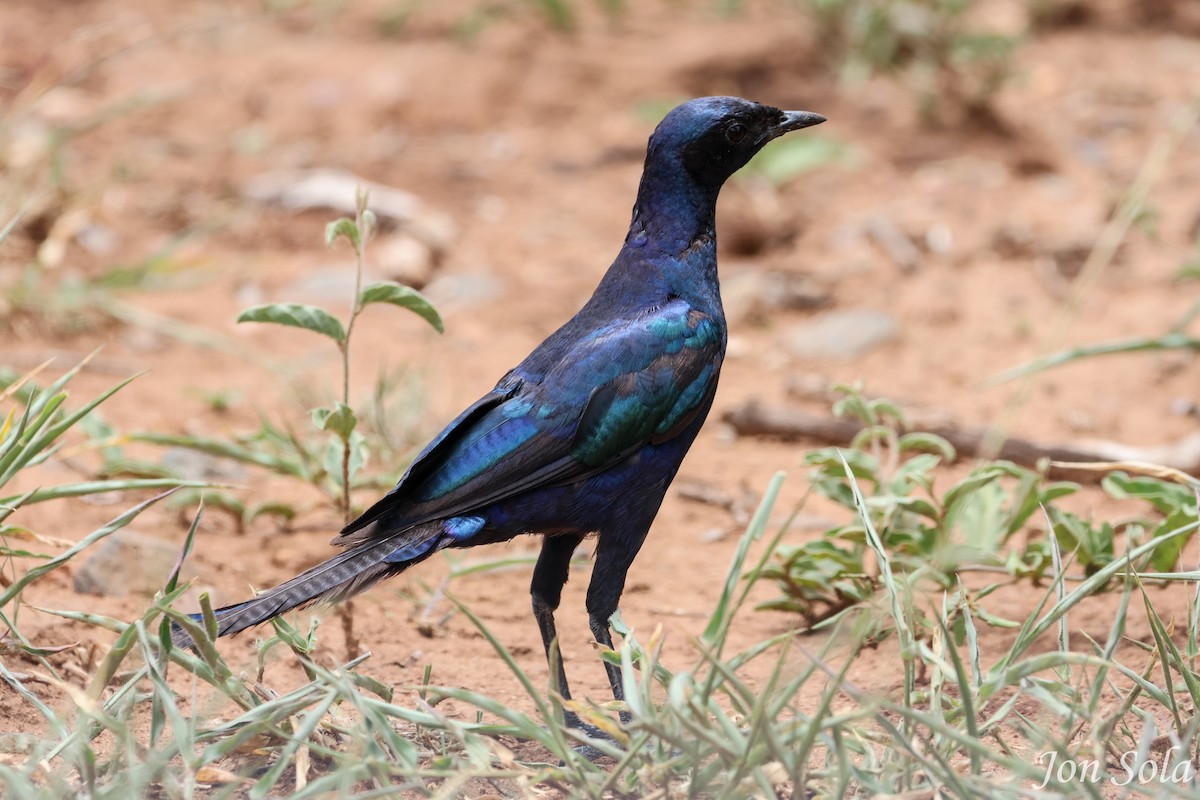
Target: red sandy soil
pixel 530 139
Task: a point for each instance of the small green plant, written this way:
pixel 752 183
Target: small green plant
pixel 785 159
pixel 50 205
pixel 1189 270
pixel 34 424
pixel 68 302
pixel 774 719
pixel 978 524
pixel 346 450
pixel 560 15
pixel 332 461
pixel 934 46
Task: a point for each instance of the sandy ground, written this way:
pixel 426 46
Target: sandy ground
pixel 530 141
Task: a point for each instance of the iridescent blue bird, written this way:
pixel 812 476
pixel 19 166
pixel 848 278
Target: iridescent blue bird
pixel 583 436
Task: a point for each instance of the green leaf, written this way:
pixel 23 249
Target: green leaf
pixel 993 620
pixel 560 13
pixel 8 552
pixel 164 628
pixel 238 451
pixel 917 471
pixel 927 442
pixel 100 487
pixel 1168 498
pixel 967 486
pixel 274 508
pixel 403 296
pixel 310 318
pixel 919 505
pixel 785 159
pixel 371 685
pixel 344 228
pixel 340 419
pixel 1166 555
pixel 1175 340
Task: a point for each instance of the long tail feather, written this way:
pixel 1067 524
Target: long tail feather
pixel 342 576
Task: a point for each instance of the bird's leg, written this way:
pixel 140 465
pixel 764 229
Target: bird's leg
pixel 549 577
pixel 614 555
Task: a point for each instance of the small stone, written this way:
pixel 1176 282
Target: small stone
pixel 127 561
pixel 939 239
pixel 97 239
pixel 810 387
pixel 336 189
pixel 842 335
pixel 460 290
pixel 1079 420
pixel 330 286
pixel 193 465
pixel 65 106
pixel 249 294
pixel 143 340
pixel 1184 407
pixel 750 295
pixel 404 259
pixel 790 292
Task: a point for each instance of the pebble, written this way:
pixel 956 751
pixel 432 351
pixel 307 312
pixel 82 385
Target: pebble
pixel 844 335
pixel 330 286
pixel 403 258
pixel 457 291
pixel 125 562
pixel 751 294
pixel 335 189
pixel 194 465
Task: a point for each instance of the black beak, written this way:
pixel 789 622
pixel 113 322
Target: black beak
pixel 794 121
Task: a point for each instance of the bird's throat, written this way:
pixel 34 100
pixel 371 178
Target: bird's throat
pixel 672 217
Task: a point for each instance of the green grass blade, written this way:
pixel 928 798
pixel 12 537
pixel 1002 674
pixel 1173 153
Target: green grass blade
pixel 1170 341
pixel 36 572
pixel 85 488
pixel 718 625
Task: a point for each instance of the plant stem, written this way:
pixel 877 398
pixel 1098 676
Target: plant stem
pixel 356 307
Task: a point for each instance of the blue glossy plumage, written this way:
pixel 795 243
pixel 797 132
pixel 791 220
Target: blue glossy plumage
pixel 586 433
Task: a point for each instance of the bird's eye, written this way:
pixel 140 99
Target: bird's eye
pixel 735 132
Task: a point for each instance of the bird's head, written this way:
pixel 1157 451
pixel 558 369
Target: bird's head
pixel 714 137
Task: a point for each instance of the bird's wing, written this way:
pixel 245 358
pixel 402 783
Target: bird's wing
pixel 636 381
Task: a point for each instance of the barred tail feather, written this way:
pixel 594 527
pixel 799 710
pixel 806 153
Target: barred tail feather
pixel 344 575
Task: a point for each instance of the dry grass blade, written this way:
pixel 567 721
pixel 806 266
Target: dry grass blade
pixel 1139 467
